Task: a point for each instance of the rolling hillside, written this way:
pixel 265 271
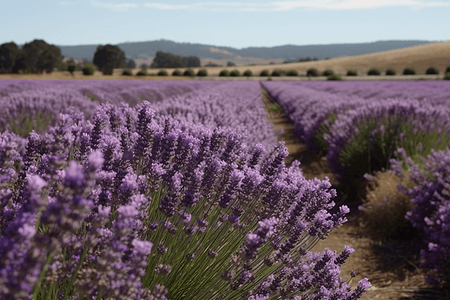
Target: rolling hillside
pixel 420 57
pixel 145 51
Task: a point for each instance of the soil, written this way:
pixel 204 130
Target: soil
pixel 392 266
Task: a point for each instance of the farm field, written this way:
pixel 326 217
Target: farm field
pixel 194 189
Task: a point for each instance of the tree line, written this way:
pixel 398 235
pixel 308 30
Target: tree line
pixel 34 57
pixel 39 57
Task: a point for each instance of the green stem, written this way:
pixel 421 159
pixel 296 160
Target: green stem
pixel 74 275
pixel 99 296
pixel 42 275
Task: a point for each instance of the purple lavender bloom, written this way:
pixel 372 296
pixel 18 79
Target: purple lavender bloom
pixel 169 202
pixel 229 194
pixel 255 240
pixel 212 170
pixel 258 152
pixel 74 176
pixel 251 182
pixel 344 255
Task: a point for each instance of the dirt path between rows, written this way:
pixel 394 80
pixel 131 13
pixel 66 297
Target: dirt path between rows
pixel 391 267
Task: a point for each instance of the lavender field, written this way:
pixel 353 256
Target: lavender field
pixel 367 128
pixel 179 189
pixel 157 191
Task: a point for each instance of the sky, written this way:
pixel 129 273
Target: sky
pixel 238 24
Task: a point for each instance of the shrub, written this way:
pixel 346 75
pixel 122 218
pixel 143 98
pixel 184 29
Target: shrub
pixel 235 73
pixel 432 71
pixel 312 72
pixel 430 213
pixel 127 72
pixel 176 73
pixel 224 73
pixel 384 208
pixel 447 70
pixel 71 68
pixel 292 73
pixel 447 76
pixel 275 73
pixel 162 73
pixel 88 70
pixel 374 72
pixel 202 73
pixel 364 140
pixel 248 73
pixel 327 72
pixel 142 72
pixel 107 71
pixel 409 71
pixel 189 72
pixel 264 73
pixel 334 77
pixel 352 73
pixel 391 72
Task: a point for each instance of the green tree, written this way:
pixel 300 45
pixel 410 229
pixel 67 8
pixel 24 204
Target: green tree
pixel 167 60
pixel 191 61
pixel 71 67
pixel 109 57
pixel 312 72
pixel 9 53
pixel 37 57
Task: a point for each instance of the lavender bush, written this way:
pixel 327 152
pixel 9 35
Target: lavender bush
pixel 433 92
pixel 360 136
pixel 362 140
pixel 430 197
pixel 126 206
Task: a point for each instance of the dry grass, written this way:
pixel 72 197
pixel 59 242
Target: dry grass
pixel 385 207
pixel 78 75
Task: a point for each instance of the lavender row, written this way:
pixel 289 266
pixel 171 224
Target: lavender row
pixel 433 92
pixel 36 104
pixel 235 104
pixel 361 135
pixel 128 206
pixel 431 213
pixel 115 91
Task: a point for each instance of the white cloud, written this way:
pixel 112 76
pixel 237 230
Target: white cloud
pixel 163 6
pixel 115 7
pixel 279 5
pixel 312 4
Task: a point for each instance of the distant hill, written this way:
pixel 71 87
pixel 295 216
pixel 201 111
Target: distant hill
pixel 420 57
pixel 145 51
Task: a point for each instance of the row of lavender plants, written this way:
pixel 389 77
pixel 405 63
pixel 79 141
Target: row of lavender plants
pixel 137 203
pixel 434 92
pixel 36 104
pixel 362 135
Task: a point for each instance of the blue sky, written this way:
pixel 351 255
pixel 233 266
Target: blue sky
pixel 223 23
